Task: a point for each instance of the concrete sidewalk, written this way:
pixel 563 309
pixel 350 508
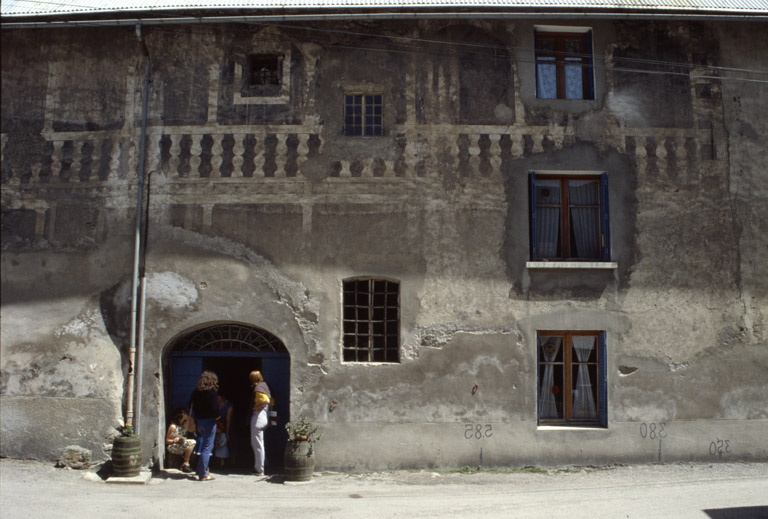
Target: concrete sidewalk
pixel 716 491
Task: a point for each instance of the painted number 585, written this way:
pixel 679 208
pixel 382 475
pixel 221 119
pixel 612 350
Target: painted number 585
pixel 477 431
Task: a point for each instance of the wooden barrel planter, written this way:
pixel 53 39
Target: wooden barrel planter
pixel 299 461
pixel 126 456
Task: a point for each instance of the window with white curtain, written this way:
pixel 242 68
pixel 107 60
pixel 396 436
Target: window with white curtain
pixel 569 217
pixel 564 63
pixel 572 378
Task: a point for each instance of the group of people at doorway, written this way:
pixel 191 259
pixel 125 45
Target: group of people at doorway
pixel 210 421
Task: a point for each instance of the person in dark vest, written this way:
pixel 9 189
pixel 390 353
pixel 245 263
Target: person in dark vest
pixel 205 406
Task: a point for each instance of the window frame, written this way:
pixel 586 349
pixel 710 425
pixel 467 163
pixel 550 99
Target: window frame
pixel 362 329
pixel 560 56
pixel 565 240
pixel 249 75
pixel 367 99
pixel 246 93
pixel 601 400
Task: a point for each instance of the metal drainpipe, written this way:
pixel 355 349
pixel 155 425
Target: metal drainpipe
pixel 129 411
pixel 142 305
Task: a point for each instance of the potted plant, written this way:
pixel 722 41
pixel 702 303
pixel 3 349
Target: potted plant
pixel 126 452
pixel 299 451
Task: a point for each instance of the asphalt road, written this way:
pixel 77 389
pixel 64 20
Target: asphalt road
pixel 719 491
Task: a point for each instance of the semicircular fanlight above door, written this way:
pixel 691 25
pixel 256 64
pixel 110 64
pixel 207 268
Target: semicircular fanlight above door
pixel 231 337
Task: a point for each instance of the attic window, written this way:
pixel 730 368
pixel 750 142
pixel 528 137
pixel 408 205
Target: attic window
pixel 262 73
pixel 263 76
pixel 264 69
pixel 564 64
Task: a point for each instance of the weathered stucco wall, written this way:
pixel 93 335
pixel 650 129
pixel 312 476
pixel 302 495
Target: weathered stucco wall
pixel 258 211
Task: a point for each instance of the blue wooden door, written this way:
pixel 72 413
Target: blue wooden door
pixel 185 372
pixel 277 374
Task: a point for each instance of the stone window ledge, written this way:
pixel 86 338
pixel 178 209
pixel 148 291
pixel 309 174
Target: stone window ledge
pixel 570 428
pixel 601 265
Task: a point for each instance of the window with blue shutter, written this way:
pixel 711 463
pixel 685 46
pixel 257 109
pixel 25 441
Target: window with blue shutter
pixel 603 391
pixel 569 217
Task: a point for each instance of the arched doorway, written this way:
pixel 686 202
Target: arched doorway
pixel 232 351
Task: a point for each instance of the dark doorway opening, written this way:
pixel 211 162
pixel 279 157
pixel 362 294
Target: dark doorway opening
pixel 232 352
pixel 233 381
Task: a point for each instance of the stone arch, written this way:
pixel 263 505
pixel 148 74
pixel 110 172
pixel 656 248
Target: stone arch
pixel 232 350
pixel 230 337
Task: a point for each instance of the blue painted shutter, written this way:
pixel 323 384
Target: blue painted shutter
pixel 532 202
pixel 602 375
pixel 185 372
pixel 538 374
pixel 604 220
pixel 588 73
pixel 277 374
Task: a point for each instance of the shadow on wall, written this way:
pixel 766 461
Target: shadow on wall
pixel 743 512
pixel 114 305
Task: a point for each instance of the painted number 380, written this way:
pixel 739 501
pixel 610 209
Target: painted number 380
pixel 477 431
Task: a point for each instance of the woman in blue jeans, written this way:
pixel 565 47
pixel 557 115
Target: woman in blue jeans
pixel 204 403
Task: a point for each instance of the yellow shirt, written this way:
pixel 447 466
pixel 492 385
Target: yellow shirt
pixel 260 399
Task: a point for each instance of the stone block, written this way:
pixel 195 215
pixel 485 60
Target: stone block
pixel 75 457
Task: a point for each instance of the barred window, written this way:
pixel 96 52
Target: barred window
pixel 371 320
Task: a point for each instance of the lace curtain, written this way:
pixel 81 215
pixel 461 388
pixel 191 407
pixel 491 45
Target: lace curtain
pixel 585 220
pixel 547 403
pixel 546 78
pixel 584 401
pixel 547 218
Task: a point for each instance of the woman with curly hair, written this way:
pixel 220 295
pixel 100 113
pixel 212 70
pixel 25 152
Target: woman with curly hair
pixel 205 405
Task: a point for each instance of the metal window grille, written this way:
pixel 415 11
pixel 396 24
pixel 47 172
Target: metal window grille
pixel 371 321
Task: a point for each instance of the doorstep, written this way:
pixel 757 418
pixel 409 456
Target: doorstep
pixel 142 479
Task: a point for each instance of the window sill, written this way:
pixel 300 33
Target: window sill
pixel 599 265
pixel 571 428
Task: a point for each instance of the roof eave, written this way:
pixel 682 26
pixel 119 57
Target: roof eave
pixel 239 15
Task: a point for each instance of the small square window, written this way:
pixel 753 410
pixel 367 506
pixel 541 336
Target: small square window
pixel 264 69
pixel 564 65
pixel 263 76
pixel 569 217
pixel 571 378
pixel 371 325
pixel 363 115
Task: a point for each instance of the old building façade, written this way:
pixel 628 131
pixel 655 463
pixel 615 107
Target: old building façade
pixel 469 237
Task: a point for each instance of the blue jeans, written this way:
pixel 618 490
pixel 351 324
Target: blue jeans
pixel 206 434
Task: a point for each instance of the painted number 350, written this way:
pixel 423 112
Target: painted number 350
pixel 477 431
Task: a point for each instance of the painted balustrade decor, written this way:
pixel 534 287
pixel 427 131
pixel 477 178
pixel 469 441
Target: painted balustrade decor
pixel 421 152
